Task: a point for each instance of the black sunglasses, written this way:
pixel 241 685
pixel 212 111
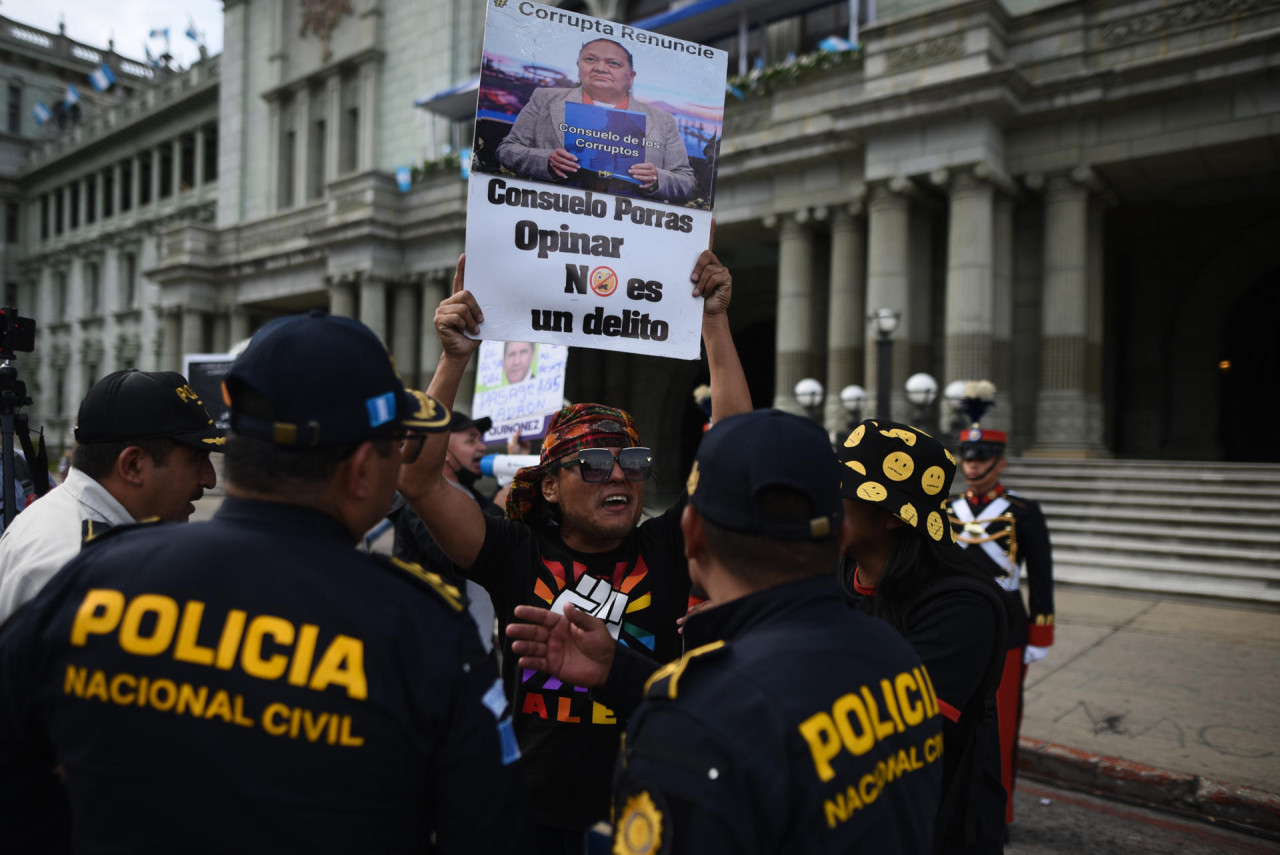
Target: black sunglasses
pixel 596 464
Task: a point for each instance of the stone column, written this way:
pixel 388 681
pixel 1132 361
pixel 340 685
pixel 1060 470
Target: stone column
pixel 373 305
pixel 274 117
pixel 239 325
pixel 1070 388
pixel 192 333
pixel 888 280
pixel 342 296
pixel 1001 416
pixel 155 175
pixel 221 332
pixel 135 183
pixel 333 131
pixel 434 290
pixel 171 346
pixel 197 177
pixel 794 310
pixel 970 294
pixel 404 321
pixel 99 203
pixel 368 116
pixel 301 125
pixel 847 312
pixel 175 180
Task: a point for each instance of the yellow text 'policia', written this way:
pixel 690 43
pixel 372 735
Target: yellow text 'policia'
pixel 153 624
pixel 168 695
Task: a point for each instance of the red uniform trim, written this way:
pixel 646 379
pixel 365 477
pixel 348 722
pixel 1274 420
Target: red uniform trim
pixel 1040 634
pixel 952 714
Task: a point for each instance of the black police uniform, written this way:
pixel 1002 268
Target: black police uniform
pixel 793 724
pixel 255 684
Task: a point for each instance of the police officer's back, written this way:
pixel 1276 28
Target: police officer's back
pixel 792 724
pixel 254 684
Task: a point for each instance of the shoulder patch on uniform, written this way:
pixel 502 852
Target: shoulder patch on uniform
pixel 432 580
pixel 639 830
pixel 665 682
pixel 95 531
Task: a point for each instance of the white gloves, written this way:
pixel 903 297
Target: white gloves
pixel 1033 654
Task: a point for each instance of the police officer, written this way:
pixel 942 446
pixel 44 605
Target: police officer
pixel 254 683
pixel 1005 532
pixel 793 723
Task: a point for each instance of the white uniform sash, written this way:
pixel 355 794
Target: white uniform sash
pixel 967 537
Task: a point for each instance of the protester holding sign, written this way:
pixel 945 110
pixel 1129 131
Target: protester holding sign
pixel 536 148
pixel 572 537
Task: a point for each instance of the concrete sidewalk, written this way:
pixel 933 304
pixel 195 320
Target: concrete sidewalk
pixel 1166 701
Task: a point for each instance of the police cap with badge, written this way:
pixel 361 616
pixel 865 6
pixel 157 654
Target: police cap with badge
pixel 320 380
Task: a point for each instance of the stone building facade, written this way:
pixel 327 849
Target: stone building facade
pixel 1076 201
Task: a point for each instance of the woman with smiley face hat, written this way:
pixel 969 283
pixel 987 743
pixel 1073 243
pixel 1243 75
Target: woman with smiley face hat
pixel 903 566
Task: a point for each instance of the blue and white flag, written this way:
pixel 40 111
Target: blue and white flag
pixel 41 112
pixel 73 95
pixel 191 30
pixel 404 178
pixel 151 60
pixel 102 77
pixel 160 33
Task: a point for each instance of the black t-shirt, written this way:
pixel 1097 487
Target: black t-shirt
pixel 255 684
pixel 569 740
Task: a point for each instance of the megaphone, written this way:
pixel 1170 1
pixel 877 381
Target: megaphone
pixel 503 467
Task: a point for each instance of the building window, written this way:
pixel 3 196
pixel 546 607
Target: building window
pixel 15 109
pixel 11 294
pixel 210 154
pixel 144 178
pixel 129 280
pixel 12 234
pixel 187 178
pixel 60 390
pixel 166 172
pixel 108 193
pixel 59 207
pixel 126 186
pixel 75 205
pixel 90 375
pixel 44 216
pixel 90 200
pixel 315 181
pixel 350 139
pixel 92 290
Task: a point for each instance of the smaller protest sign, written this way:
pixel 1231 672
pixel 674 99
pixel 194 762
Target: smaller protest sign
pixel 520 386
pixel 205 373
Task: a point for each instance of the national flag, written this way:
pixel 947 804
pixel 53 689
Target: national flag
pixel 404 178
pixel 191 30
pixel 41 112
pixel 160 33
pixel 73 95
pixel 102 77
pixel 151 60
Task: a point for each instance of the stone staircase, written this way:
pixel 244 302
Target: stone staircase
pixel 1202 529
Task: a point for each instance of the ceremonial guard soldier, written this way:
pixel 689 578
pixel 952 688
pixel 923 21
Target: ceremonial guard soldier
pixel 1008 531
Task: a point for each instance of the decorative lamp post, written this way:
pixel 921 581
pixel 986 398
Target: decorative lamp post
pixel 922 389
pixel 809 394
pixel 885 322
pixel 852 398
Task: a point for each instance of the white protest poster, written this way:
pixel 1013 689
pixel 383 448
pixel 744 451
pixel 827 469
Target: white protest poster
pixel 520 386
pixel 592 181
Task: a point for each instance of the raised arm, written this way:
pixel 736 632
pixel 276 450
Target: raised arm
pixel 713 282
pixel 453 517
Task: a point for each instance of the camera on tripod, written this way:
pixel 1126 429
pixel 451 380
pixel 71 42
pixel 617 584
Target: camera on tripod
pixel 17 334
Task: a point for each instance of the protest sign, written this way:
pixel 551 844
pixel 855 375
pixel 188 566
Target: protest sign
pixel 520 386
pixel 592 182
pixel 205 373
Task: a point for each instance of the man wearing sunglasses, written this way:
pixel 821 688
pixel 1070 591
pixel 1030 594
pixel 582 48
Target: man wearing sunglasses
pixel 573 536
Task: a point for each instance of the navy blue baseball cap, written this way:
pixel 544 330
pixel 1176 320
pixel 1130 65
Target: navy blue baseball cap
pixel 132 405
pixel 742 455
pixel 321 380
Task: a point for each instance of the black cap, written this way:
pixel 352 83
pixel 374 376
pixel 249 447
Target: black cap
pixel 461 421
pixel 743 454
pixel 133 405
pixel 902 469
pixel 323 380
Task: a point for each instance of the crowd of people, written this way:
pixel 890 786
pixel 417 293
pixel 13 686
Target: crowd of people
pixel 802 654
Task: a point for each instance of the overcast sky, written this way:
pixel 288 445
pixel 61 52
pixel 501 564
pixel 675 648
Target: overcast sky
pixel 129 22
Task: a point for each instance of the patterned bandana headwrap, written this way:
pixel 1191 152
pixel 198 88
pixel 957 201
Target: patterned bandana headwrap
pixel 572 429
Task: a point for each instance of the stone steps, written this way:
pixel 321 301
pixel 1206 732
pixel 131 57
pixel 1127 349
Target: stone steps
pixel 1202 529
